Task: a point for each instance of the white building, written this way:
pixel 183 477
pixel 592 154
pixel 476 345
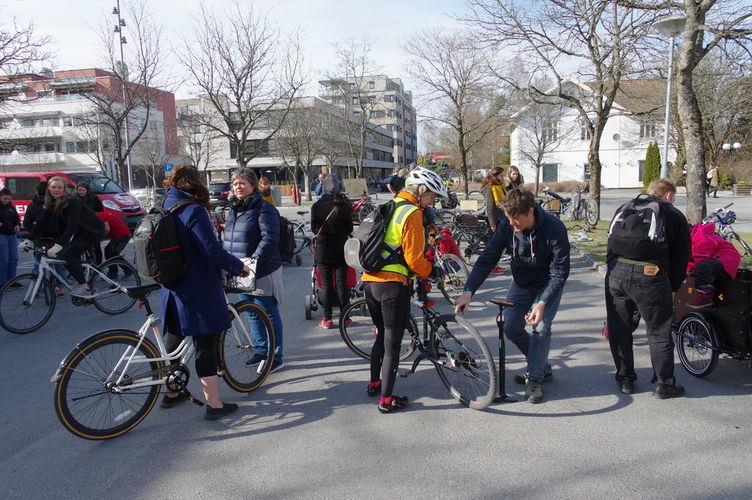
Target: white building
pixel 635 121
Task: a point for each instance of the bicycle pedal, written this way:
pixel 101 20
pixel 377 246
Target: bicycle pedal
pixel 195 401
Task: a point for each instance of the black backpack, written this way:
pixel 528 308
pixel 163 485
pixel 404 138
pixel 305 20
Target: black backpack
pixel 286 239
pixel 157 248
pixel 369 239
pixel 638 229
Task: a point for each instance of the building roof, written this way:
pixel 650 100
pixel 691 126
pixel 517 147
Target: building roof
pixel 641 96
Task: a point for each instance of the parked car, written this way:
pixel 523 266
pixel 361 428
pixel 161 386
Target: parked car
pixel 23 185
pixel 219 193
pixel 148 196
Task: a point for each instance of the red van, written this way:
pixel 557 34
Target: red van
pixel 23 185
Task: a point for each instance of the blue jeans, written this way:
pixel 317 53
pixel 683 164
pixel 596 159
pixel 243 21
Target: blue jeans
pixel 257 327
pixel 8 257
pixel 534 346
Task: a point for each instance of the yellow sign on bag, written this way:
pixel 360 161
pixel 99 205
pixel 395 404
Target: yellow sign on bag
pixel 468 205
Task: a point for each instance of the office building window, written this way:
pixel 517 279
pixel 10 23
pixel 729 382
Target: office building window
pixel 371 85
pixel 647 130
pixel 550 132
pixel 584 131
pixel 586 172
pixel 550 172
pixel 640 169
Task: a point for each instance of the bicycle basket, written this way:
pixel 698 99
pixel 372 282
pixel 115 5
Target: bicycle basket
pixel 245 284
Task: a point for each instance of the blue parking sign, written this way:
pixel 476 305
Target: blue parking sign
pixel 167 167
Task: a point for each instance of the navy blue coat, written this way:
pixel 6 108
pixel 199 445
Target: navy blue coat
pixel 252 230
pixel 198 299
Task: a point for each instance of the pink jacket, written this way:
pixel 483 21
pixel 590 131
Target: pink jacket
pixel 706 244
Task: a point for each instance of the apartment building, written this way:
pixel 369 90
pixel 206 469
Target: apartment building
pixel 215 154
pixel 45 124
pixel 388 104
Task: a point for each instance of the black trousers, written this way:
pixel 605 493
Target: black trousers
pixel 708 274
pixel 207 359
pixel 72 255
pixel 628 291
pixel 389 305
pixel 115 246
pixel 331 295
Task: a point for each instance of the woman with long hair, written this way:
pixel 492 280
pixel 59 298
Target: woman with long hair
pixel 91 200
pixel 196 306
pixel 75 226
pixel 495 191
pixel 515 178
pixel 331 222
pixel 265 188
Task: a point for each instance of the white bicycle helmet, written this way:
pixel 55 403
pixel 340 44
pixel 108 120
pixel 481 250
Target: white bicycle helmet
pixel 428 178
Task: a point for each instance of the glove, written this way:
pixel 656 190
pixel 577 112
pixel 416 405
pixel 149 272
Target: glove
pixel 25 245
pixel 52 252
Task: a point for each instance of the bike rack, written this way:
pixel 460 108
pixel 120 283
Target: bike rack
pixel 502 396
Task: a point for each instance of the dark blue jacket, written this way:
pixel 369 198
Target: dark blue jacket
pixel 540 256
pixel 198 299
pixel 252 230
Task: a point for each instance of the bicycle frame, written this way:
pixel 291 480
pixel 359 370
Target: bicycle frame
pixel 47 267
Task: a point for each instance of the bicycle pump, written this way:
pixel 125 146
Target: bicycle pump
pixel 502 396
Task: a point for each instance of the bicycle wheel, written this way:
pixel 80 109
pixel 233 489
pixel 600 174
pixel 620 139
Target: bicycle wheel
pixel 365 211
pixel 22 313
pixel 116 272
pixel 452 179
pixel 238 346
pixel 88 402
pixel 455 275
pixel 463 362
pixel 479 197
pixel 592 212
pixel 359 333
pixel 695 345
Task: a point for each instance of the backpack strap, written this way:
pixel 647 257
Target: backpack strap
pixel 179 206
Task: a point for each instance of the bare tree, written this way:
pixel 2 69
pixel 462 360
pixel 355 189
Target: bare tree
pixel 240 63
pixel 131 100
pixel 199 143
pixel 151 149
pixel 541 131
pixel 350 88
pixel 22 50
pixel 300 141
pixel 333 137
pixel 458 91
pixel 593 42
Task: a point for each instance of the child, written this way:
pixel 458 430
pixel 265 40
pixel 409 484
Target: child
pixel 713 260
pixel 9 226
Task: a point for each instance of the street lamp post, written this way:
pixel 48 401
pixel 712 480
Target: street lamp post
pixel 730 148
pixel 670 26
pixel 124 77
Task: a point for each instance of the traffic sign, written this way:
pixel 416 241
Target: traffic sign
pixel 167 167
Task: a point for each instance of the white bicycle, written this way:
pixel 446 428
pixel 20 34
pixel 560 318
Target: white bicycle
pixel 110 381
pixel 28 300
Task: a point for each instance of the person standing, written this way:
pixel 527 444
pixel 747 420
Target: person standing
pixel 397 181
pixel 265 188
pixel 713 181
pixel 9 227
pixel 647 256
pixel 388 289
pixel 331 222
pixel 196 306
pixel 35 208
pixel 515 178
pixel 318 189
pixel 539 245
pixel 116 230
pixel 253 230
pixel 91 200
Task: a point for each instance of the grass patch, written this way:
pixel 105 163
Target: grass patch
pixel 597 247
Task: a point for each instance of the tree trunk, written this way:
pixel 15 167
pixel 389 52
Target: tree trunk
pixel 594 161
pixel 307 184
pixel 463 158
pixel 537 178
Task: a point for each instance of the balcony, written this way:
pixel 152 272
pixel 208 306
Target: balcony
pixel 24 159
pixel 9 134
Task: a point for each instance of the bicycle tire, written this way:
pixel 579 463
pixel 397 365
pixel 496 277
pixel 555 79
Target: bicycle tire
pixel 117 405
pixel 360 334
pixel 236 346
pixel 592 212
pixel 455 276
pixel 13 304
pixel 123 273
pixel 480 197
pixel 463 362
pixel 452 179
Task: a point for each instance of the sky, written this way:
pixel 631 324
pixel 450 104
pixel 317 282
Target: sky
pixel 71 24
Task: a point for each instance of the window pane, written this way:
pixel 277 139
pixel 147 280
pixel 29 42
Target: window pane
pixel 23 188
pixel 550 172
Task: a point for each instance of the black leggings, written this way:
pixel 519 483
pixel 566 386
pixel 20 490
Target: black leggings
pixel 330 296
pixel 389 305
pixel 709 274
pixel 72 255
pixel 207 358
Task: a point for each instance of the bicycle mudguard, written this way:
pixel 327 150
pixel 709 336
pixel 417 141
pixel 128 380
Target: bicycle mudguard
pixel 88 340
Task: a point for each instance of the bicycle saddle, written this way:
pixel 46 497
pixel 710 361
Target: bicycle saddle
pixel 502 303
pixel 140 292
pixel 303 212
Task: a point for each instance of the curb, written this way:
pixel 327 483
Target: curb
pixel 592 263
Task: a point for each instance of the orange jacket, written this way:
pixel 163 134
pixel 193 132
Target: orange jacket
pixel 413 245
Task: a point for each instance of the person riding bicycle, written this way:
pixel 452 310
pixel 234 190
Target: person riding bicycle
pixel 540 268
pixel 332 224
pixel 76 228
pixel 252 230
pixel 196 306
pixel 388 290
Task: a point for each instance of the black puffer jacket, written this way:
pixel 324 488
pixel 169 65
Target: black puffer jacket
pixel 74 219
pixel 8 219
pixel 33 212
pixel 333 233
pixel 92 201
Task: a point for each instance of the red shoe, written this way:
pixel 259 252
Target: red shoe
pixel 374 388
pixel 391 404
pixel 701 298
pixel 326 323
pixel 497 270
pixel 604 332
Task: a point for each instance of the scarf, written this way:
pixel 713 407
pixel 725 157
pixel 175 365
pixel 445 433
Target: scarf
pixel 498 192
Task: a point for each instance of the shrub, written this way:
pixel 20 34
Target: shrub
pixel 726 180
pixel 558 187
pixel 652 167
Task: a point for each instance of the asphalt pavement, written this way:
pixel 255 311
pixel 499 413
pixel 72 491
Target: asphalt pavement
pixel 312 432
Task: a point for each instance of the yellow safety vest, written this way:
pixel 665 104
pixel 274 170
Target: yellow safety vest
pixel 393 236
